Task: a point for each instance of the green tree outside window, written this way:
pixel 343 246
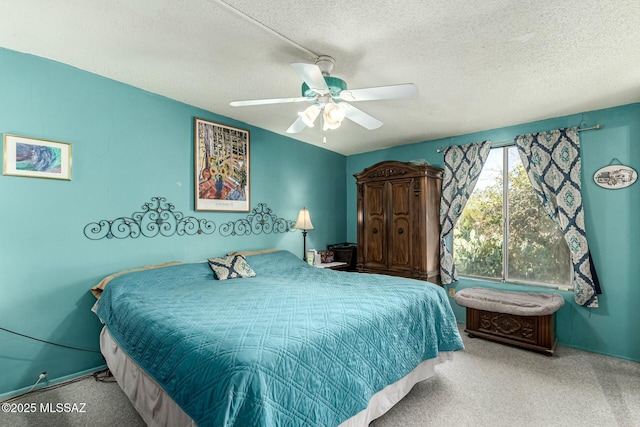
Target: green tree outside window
pixel 536 251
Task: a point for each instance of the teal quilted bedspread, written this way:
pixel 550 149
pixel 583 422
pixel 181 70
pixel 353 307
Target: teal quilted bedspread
pixel 293 346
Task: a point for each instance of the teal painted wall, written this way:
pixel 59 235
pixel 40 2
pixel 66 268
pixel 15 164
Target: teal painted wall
pixel 611 222
pixel 128 146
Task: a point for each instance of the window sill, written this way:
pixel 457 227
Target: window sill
pixel 523 285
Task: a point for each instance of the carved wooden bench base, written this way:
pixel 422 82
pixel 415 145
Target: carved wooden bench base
pixel 530 332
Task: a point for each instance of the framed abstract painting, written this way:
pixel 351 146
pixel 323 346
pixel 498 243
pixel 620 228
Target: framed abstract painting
pixel 36 158
pixel 221 169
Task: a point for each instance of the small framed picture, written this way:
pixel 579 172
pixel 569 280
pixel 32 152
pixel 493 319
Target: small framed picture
pixel 221 167
pixel 36 158
pixel 613 177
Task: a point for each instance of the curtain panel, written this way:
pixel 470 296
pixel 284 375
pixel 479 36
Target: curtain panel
pixel 552 162
pixel 462 167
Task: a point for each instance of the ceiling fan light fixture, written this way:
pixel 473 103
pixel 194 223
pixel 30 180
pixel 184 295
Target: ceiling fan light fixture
pixel 309 115
pixel 329 95
pixel 333 116
pixel 330 125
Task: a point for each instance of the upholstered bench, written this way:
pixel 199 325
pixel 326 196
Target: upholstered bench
pixel 523 319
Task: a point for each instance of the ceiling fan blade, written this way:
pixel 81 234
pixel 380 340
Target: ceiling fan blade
pixel 407 90
pixel 312 76
pixel 297 126
pixel 266 101
pixel 360 117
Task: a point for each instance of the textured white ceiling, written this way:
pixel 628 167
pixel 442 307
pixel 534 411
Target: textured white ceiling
pixel 478 64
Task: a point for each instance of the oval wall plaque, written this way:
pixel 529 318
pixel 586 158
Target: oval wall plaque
pixel 615 176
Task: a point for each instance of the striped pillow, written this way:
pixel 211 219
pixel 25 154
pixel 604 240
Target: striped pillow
pixel 231 267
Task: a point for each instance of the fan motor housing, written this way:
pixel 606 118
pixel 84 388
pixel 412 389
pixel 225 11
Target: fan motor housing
pixel 335 84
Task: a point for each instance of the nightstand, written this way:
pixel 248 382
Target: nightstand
pixel 345 252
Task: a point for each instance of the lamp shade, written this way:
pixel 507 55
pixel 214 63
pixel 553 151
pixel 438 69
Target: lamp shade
pixel 304 220
pixel 333 116
pixel 309 115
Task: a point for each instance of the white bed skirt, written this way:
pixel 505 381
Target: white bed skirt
pixel 157 409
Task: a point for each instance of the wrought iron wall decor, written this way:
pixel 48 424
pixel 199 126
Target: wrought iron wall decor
pixel 261 220
pixel 159 217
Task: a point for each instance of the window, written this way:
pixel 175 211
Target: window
pixel 527 247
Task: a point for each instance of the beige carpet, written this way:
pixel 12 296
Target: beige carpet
pixel 490 384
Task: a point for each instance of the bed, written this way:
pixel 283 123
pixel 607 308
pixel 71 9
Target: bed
pixel 294 345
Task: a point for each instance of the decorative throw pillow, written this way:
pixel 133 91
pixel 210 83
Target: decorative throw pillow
pixel 231 267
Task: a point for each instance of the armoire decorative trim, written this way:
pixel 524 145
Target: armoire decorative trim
pixel 387 173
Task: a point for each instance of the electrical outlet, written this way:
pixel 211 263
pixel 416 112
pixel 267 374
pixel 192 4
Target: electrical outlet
pixel 452 292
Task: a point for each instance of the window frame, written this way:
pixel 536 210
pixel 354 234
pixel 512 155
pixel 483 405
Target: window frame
pixel 505 235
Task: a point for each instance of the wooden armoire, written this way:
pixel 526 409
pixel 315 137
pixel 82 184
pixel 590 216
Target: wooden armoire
pixel 399 220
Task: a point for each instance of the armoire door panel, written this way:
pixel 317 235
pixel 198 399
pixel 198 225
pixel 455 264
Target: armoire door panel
pixel 400 231
pixel 400 198
pixel 374 199
pixel 374 225
pixel 400 244
pixel 375 242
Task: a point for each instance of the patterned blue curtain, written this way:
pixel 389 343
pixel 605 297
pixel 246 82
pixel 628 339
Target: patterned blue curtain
pixel 462 167
pixel 552 162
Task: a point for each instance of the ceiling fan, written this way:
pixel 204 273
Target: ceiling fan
pixel 329 95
